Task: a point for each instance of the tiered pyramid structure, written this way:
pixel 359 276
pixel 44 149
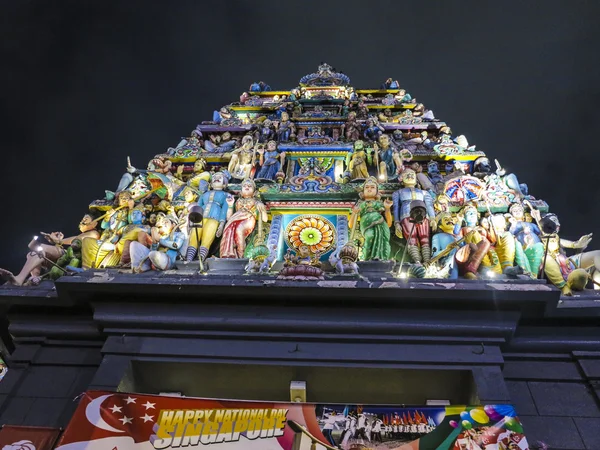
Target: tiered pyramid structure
pixel 323 180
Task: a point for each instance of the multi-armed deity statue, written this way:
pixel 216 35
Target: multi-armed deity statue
pixel 325 180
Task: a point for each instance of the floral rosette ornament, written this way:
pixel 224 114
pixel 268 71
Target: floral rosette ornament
pixel 313 231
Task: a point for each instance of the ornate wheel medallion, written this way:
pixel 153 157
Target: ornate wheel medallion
pixel 311 230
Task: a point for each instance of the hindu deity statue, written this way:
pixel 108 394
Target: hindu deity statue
pixel 357 164
pixel 444 240
pixel 36 263
pixel 250 213
pixel 363 111
pixel 219 143
pixel 286 129
pixel 243 159
pixel 101 252
pixel 416 234
pixel 422 179
pixel 388 159
pixel 352 128
pixel 267 132
pixel 200 177
pixel 390 84
pixel 477 250
pixel 271 161
pixel 160 248
pixel 217 207
pixel 435 176
pixel 527 234
pixel 569 273
pixel 375 221
pixel 373 131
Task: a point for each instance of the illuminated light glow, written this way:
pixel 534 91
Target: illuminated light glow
pixel 403 275
pixel 40 249
pixel 35 238
pixel 381 177
pixel 490 274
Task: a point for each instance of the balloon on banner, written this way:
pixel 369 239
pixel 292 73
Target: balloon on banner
pixel 512 424
pixel 479 416
pixel 467 425
pixel 453 423
pixel 466 416
pixel 491 412
pixel 505 410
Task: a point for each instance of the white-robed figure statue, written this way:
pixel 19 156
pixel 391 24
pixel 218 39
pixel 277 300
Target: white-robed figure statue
pixel 164 245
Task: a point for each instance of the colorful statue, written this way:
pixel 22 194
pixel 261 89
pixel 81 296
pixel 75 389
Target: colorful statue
pixel 249 212
pixel 286 129
pixel 101 252
pixel 302 266
pixel 357 164
pixel 352 128
pixel 217 207
pixel 373 131
pixel 416 234
pixel 219 143
pixel 41 256
pixel 445 241
pixel 477 250
pixel 270 161
pixel 528 235
pixel 387 159
pixel 243 159
pixel 267 132
pixel 343 260
pixel 161 248
pixel 363 111
pixel 375 221
pixel 390 84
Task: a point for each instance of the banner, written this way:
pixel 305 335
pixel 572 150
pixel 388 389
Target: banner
pixel 117 421
pixel 28 438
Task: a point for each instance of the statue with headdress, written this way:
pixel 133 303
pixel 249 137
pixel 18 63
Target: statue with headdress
pixel 374 219
pixel 217 207
pixel 160 248
pixel 250 214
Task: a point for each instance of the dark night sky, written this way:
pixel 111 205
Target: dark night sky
pixel 86 83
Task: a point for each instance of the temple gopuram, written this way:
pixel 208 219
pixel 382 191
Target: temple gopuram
pixel 336 247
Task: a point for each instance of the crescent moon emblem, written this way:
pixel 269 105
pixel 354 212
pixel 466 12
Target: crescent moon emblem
pixel 92 413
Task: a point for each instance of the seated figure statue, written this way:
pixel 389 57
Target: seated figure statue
pixel 40 254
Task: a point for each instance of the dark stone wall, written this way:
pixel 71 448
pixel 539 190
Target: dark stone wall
pixel 557 397
pixel 542 358
pixel 44 380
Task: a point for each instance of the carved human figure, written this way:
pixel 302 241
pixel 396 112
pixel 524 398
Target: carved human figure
pixel 477 249
pixel 357 164
pixel 266 132
pixel 416 234
pixel 388 160
pixel 243 159
pixel 286 128
pixel 352 128
pixel 375 220
pixel 35 263
pixel 249 212
pixel 161 248
pixel 446 239
pixel 217 207
pixel 270 161
pixel 373 130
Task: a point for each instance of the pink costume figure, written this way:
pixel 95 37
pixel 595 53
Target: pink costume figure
pixel 242 223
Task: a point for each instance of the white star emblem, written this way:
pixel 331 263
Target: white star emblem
pixel 116 409
pixel 147 418
pixel 130 400
pixel 126 419
pixel 149 405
